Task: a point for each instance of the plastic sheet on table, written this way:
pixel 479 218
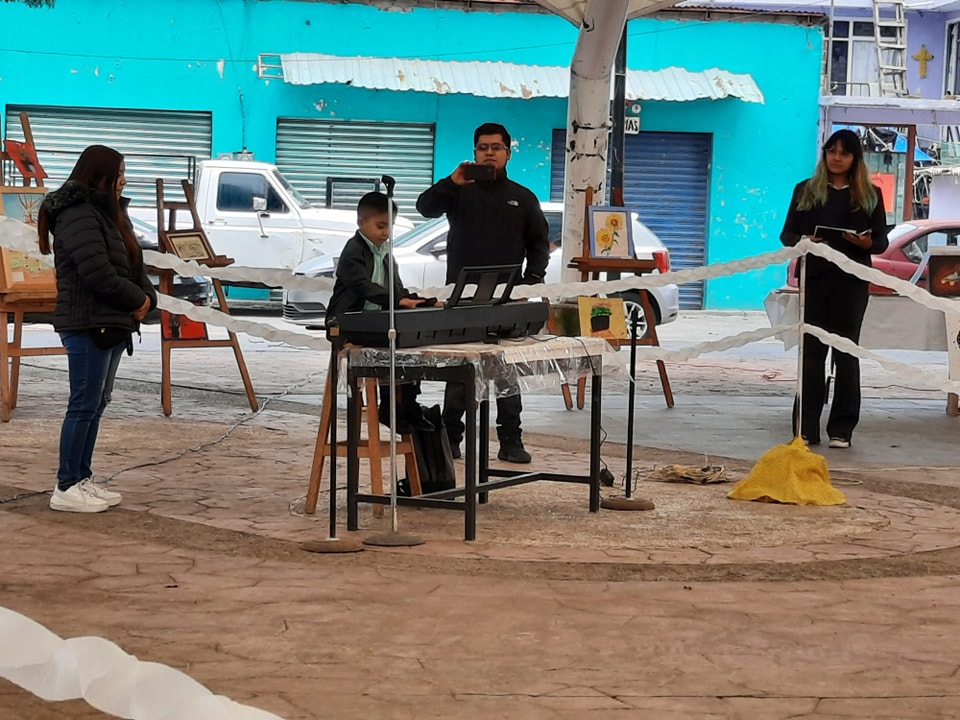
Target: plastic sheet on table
pixel 502 369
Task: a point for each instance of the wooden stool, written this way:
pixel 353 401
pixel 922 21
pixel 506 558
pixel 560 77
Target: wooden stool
pixel 372 448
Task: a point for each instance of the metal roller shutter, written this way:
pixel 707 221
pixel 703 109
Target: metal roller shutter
pixel 310 151
pixel 155 143
pixel 666 179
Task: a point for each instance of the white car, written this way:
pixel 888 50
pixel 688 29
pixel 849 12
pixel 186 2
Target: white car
pixel 421 255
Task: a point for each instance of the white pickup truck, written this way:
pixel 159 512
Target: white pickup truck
pixel 251 213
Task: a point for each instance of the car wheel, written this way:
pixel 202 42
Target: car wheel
pixel 631 302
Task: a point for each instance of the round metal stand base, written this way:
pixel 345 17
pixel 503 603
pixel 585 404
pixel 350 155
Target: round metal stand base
pixel 393 539
pixel 622 503
pixel 332 545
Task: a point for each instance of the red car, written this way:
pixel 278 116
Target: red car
pixel 909 242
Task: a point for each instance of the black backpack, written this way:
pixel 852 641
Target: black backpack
pixel 434 459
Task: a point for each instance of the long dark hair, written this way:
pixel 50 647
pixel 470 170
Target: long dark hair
pixel 862 194
pixel 98 168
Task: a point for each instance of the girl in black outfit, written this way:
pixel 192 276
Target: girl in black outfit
pixel 102 295
pixel 839 195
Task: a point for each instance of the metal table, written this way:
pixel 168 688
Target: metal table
pixel 513 366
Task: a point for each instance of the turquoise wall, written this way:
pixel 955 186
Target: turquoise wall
pixel 201 55
pixel 759 151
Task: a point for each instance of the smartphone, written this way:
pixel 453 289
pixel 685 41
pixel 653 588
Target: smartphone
pixel 479 172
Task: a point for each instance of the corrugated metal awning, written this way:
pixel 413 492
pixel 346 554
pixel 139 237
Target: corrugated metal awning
pixel 506 80
pixel 573 10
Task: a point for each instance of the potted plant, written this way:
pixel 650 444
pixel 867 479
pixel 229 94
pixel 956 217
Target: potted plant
pixel 600 318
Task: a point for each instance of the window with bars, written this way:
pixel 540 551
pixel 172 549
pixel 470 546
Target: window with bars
pixel 853 57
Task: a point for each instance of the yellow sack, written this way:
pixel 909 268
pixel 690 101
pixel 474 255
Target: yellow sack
pixel 789 474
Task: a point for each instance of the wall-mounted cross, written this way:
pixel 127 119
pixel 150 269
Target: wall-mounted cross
pixel 923 57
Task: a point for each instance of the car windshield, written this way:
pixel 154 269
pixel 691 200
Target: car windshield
pixel 900 230
pixel 419 232
pixel 294 193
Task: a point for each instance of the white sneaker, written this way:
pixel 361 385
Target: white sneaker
pixel 110 497
pixel 76 499
pixel 839 442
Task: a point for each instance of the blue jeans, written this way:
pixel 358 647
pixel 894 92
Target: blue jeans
pixel 92 372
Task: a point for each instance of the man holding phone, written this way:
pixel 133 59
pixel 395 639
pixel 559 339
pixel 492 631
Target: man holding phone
pixel 493 221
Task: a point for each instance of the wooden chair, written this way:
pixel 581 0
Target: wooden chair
pixel 372 447
pixel 11 350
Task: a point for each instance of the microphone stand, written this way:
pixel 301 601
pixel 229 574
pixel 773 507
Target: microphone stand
pixel 628 502
pixel 393 538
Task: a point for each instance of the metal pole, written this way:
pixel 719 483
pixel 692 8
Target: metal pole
pixel 334 370
pixel 634 320
pixel 389 182
pixel 909 194
pixel 392 538
pixel 801 328
pixel 618 120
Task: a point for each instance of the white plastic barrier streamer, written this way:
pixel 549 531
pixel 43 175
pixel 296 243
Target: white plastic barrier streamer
pixel 109 679
pixel 18 236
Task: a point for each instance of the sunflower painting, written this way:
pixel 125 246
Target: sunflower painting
pixel 610 235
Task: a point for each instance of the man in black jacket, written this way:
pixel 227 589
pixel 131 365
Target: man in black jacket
pixel 493 221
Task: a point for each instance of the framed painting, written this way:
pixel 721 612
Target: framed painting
pixel 19 271
pixel 602 317
pixel 191 245
pixel 24 156
pixel 21 203
pixel 611 232
pixel 943 270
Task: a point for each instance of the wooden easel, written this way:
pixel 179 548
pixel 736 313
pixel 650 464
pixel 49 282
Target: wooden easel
pixel 591 268
pixel 173 327
pixel 22 291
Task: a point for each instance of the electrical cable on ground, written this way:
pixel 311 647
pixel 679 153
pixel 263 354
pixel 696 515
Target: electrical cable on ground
pixel 203 446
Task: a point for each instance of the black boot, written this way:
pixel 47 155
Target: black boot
pixel 455 451
pixel 511 448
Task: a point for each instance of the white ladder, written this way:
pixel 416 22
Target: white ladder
pixel 890 36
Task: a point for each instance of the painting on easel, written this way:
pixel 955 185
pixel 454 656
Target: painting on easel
pixel 19 270
pixel 190 245
pixel 602 317
pixel 21 203
pixel 611 232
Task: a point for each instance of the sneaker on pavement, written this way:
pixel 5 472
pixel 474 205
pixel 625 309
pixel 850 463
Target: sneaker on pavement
pixel 76 498
pixel 110 497
pixel 839 442
pixel 513 452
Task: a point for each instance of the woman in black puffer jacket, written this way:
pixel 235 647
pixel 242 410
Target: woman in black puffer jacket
pixel 102 294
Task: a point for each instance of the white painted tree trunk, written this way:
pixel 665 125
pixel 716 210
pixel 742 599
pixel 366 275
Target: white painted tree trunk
pixel 588 119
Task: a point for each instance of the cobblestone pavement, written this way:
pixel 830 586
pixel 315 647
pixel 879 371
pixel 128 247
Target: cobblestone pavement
pixel 702 608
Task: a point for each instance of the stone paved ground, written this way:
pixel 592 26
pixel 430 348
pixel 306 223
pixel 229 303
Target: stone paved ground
pixel 703 608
